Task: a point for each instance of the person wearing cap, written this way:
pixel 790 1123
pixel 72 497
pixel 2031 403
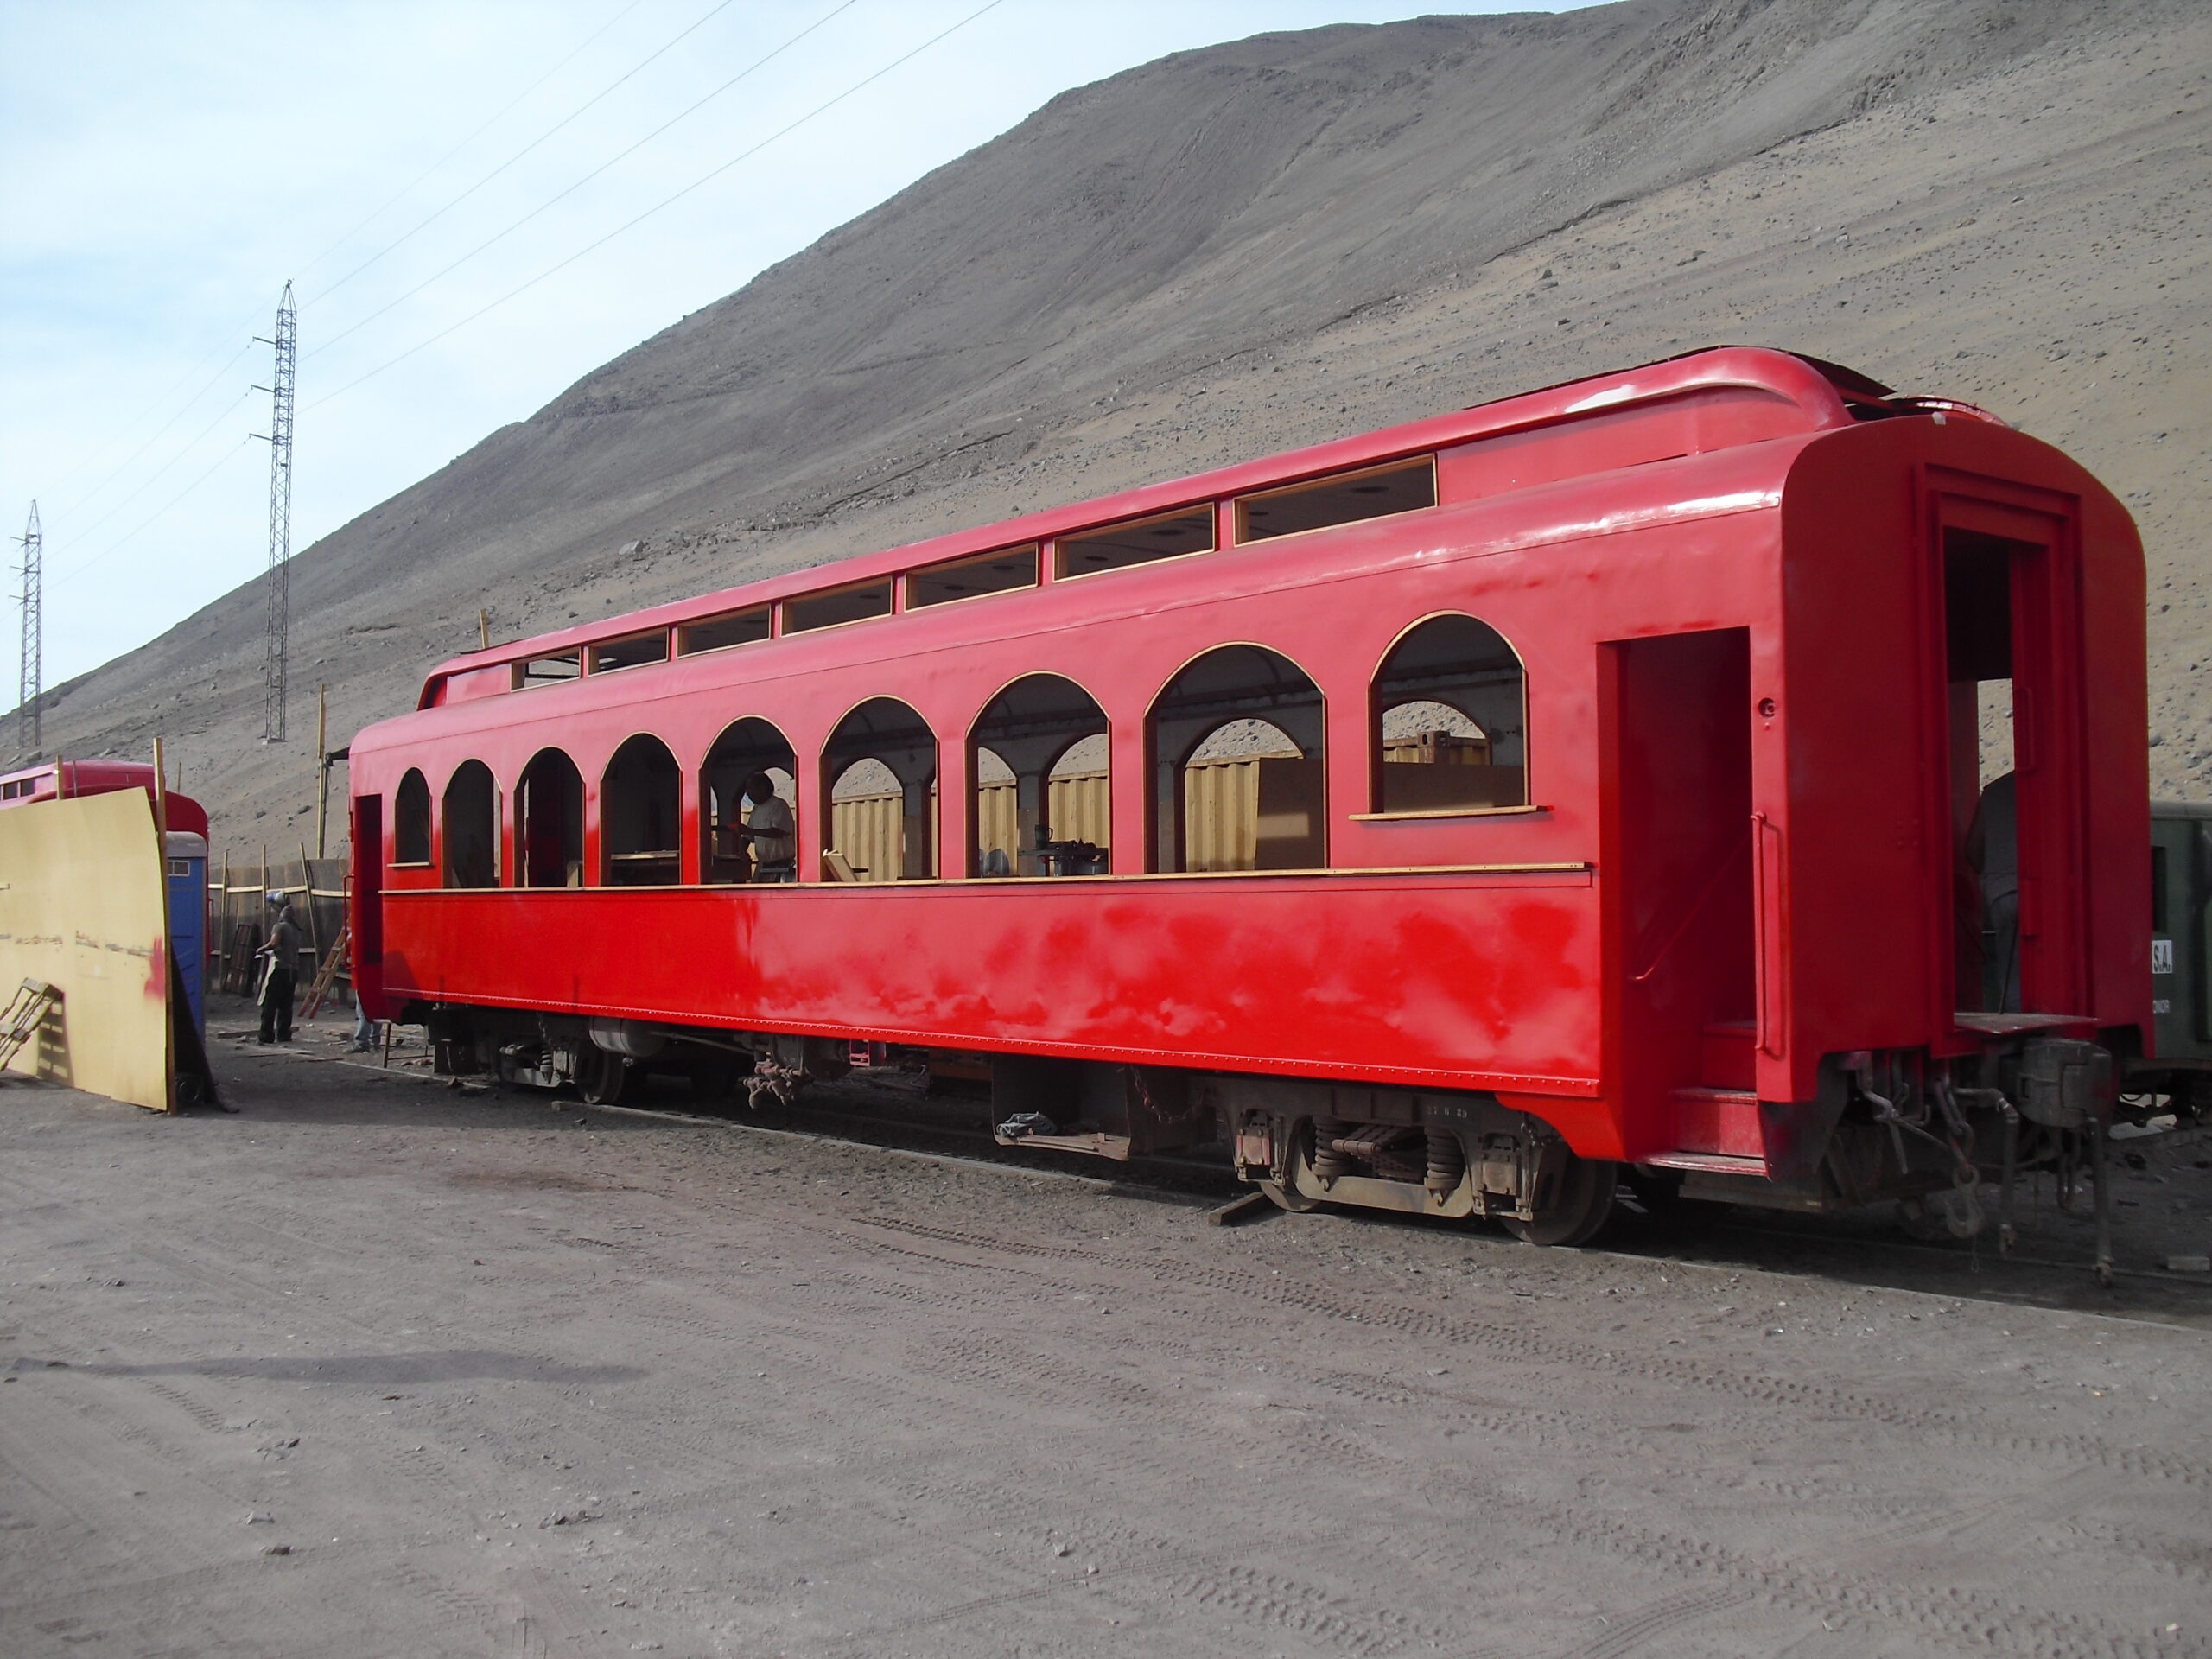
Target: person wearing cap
pixel 277 978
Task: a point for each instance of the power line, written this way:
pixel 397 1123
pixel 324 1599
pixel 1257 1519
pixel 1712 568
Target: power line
pixel 666 201
pixel 757 63
pixel 720 6
pixel 221 415
pixel 497 116
pixel 127 463
pixel 158 513
pixel 183 408
pixel 228 456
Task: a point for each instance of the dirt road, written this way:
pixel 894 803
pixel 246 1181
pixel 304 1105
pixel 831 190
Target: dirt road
pixel 374 1368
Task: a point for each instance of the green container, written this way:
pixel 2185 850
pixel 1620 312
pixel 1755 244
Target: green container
pixel 2181 930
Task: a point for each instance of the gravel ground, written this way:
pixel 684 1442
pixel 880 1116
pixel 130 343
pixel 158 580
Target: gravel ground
pixel 376 1367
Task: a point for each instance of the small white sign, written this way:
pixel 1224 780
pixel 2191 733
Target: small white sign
pixel 2161 956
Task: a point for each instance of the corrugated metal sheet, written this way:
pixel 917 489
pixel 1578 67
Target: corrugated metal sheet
pixel 1250 812
pixel 1434 748
pixel 1253 813
pixel 996 828
pixel 870 831
pixel 1221 815
pixel 1076 807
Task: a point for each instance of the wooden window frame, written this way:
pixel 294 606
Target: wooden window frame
pixel 765 611
pixel 785 628
pixel 594 665
pixel 1240 507
pixel 522 681
pixel 1035 550
pixel 1060 544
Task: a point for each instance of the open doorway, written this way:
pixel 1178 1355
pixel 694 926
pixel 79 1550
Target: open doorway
pixel 1983 785
pixel 1681 846
pixel 2012 748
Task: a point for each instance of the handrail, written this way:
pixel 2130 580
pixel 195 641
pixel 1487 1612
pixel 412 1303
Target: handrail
pixel 1766 925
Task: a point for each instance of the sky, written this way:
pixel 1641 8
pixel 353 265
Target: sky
pixel 477 201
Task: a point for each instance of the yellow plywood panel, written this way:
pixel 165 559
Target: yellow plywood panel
pixel 997 824
pixel 81 907
pixel 1221 802
pixel 870 831
pixel 1252 812
pixel 1078 808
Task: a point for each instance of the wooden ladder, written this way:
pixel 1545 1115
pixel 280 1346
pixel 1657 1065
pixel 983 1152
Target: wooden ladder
pixel 21 1019
pixel 335 966
pixel 238 961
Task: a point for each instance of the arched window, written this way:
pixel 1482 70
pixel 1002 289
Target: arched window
pixel 747 838
pixel 1237 747
pixel 880 768
pixel 640 816
pixel 410 821
pixel 1450 721
pixel 549 822
pixel 472 820
pixel 1041 783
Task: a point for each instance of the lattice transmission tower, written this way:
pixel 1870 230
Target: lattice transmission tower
pixel 277 642
pixel 33 571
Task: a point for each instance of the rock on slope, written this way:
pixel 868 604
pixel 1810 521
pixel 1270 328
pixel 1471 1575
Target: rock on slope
pixel 1267 243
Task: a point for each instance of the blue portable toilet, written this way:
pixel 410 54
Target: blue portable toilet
pixel 188 878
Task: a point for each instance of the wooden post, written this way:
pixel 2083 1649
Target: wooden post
pixel 61 778
pixel 484 629
pixel 162 863
pixel 323 776
pixel 315 933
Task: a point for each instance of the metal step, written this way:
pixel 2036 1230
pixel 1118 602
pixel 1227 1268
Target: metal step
pixel 1710 1163
pixel 1722 1122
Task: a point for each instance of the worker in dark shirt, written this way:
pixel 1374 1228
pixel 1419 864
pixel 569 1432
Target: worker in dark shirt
pixel 1993 855
pixel 283 953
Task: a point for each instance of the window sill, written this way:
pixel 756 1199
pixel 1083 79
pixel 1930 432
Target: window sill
pixel 1447 812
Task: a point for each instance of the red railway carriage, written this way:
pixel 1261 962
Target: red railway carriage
pixel 54 779
pixel 1724 774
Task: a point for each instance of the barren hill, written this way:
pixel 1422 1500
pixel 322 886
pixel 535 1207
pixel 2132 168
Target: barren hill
pixel 1267 243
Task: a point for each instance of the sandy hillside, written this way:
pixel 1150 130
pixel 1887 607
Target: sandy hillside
pixel 1298 236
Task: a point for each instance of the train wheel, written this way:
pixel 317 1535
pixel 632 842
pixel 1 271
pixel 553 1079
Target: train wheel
pixel 1575 1207
pixel 601 1077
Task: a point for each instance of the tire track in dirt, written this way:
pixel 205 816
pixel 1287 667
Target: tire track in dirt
pixel 1495 1338
pixel 409 1466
